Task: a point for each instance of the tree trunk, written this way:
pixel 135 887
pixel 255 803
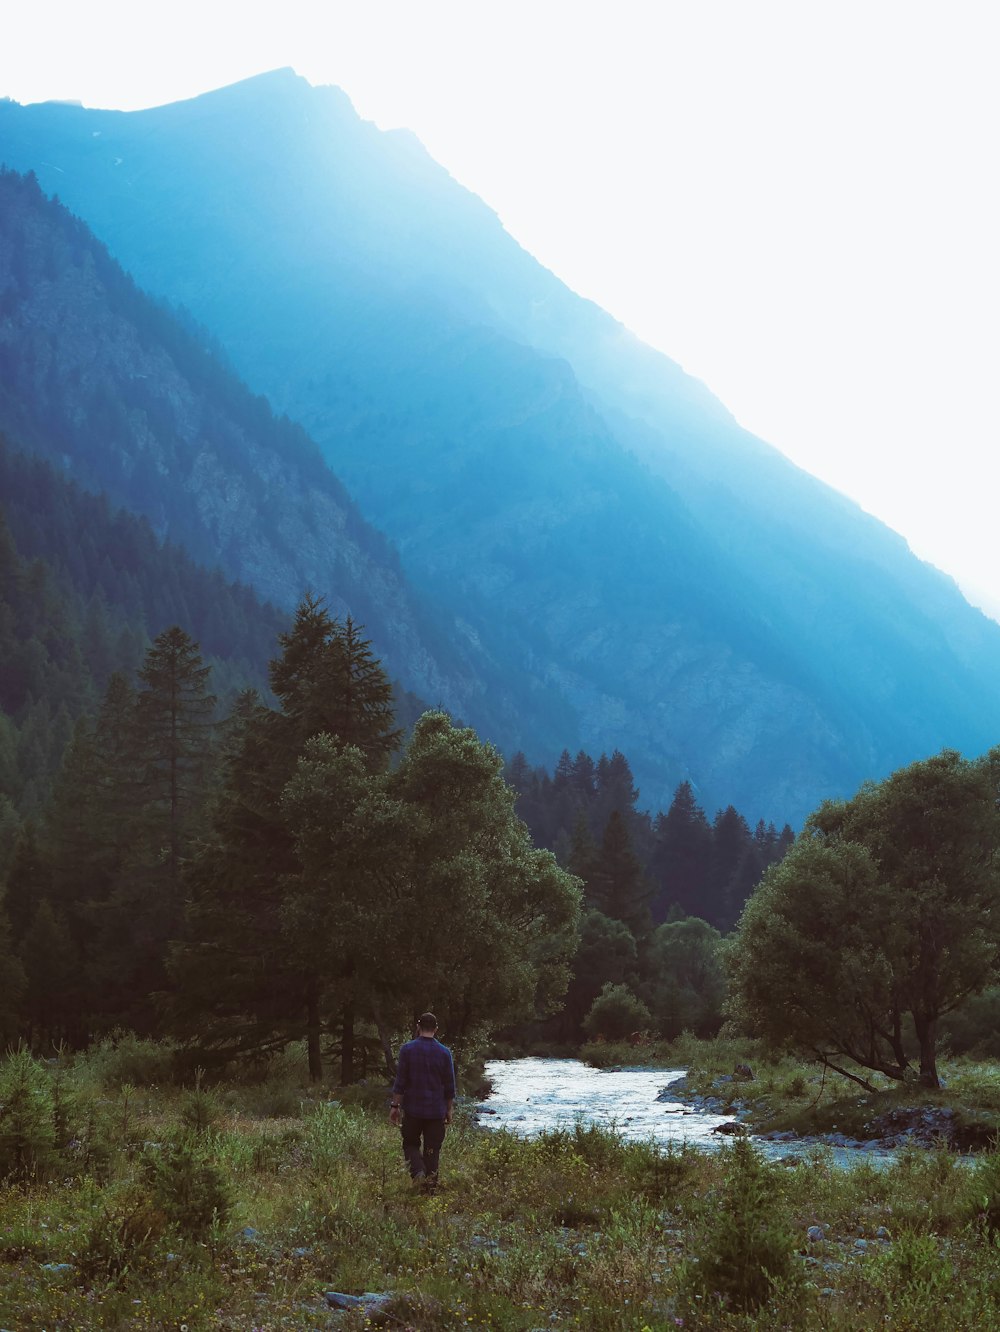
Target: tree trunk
pixel 347 1046
pixel 313 1032
pixel 926 1029
pixel 386 1044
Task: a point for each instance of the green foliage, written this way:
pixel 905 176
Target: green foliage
pixel 684 981
pixel 974 1027
pixel 199 1110
pixel 121 1058
pixel 918 1281
pixel 188 1186
pixel 931 830
pixel 745 1246
pixel 985 1190
pixel 615 1014
pixel 805 964
pixel 27 1128
pixel 120 1235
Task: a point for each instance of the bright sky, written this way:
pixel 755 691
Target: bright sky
pixel 797 200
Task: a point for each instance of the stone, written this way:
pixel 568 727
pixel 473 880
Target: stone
pixel 815 1235
pixel 337 1300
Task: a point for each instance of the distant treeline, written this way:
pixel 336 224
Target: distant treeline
pixel 639 868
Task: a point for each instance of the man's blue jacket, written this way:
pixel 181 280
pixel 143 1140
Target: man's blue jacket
pixel 425 1078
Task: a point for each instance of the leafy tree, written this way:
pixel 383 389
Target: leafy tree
pixel 615 1014
pixel 684 978
pixel 606 955
pixel 888 905
pixel 933 830
pixel 490 920
pixel 806 966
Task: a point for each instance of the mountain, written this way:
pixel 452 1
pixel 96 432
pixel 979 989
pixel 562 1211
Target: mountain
pixel 584 515
pixel 104 383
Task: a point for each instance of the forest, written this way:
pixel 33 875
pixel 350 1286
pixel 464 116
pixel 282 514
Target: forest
pixel 148 811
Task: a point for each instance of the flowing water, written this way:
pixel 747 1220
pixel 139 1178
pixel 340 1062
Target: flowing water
pixel 532 1095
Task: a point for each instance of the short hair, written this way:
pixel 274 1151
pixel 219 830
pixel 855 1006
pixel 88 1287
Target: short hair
pixel 427 1022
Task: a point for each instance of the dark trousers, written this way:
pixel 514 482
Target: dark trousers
pixel 422 1160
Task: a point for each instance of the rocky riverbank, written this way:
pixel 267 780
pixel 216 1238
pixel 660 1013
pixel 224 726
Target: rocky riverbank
pixel 886 1129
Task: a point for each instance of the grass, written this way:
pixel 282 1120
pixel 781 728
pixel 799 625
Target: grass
pixel 150 1206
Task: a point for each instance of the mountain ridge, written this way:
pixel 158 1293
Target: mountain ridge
pixel 99 380
pixel 693 597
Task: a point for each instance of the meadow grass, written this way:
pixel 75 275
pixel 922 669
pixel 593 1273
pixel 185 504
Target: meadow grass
pixel 129 1202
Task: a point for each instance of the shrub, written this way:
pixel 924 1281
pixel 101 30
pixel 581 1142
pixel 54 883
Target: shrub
pixel 200 1110
pixel 188 1186
pixel 744 1243
pixel 124 1058
pixel 121 1235
pixel 27 1134
pixel 985 1187
pixel 615 1014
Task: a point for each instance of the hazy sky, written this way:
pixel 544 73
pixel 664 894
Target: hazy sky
pixel 798 201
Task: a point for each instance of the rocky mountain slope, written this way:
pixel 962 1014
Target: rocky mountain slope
pixel 102 382
pixel 587 517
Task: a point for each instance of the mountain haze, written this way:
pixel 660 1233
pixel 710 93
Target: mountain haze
pixel 107 385
pixel 586 518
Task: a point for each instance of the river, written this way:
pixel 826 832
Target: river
pixel 532 1095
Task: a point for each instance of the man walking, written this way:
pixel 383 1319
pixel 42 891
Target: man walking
pixel 424 1090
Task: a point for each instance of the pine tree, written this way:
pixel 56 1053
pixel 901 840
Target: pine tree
pixel 237 962
pixel 174 729
pixel 29 879
pixel 735 868
pixel 617 885
pixel 681 859
pixel 12 982
pixel 51 1004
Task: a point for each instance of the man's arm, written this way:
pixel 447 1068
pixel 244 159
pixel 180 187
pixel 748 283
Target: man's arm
pixel 450 1089
pixel 398 1087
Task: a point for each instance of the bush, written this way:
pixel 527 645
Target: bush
pixel 27 1132
pixel 120 1236
pixel 615 1014
pixel 200 1110
pixel 985 1188
pixel 188 1186
pixel 745 1246
pixel 122 1058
